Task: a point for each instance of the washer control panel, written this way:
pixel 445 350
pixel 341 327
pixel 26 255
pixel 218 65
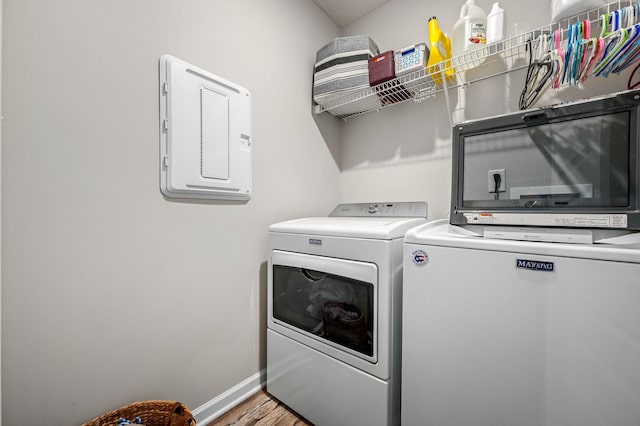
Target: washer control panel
pixel 401 209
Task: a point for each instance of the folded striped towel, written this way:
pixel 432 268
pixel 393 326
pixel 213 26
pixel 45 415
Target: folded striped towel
pixel 342 67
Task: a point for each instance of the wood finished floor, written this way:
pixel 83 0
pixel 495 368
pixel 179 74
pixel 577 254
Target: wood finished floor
pixel 260 409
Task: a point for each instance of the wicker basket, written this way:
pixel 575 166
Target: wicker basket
pixel 152 413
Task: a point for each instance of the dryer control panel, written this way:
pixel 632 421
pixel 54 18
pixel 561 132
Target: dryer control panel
pixel 401 209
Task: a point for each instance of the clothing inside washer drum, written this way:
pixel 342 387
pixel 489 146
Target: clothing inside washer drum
pixel 309 290
pixel 344 322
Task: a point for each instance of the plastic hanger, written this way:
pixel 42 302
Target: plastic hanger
pixel 576 55
pixel 581 55
pixel 575 42
pixel 559 52
pixel 568 54
pixel 588 47
pixel 596 47
pixel 539 72
pixel 630 53
pixel 630 16
pixel 627 54
pixel 558 64
pixel 544 72
pixel 615 42
pixel 604 25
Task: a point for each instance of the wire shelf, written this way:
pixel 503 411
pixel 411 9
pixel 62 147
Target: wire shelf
pixel 486 62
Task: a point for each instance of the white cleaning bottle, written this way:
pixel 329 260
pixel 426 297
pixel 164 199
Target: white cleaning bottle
pixel 470 31
pixel 495 24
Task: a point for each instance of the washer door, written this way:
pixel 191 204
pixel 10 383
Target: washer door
pixel 331 301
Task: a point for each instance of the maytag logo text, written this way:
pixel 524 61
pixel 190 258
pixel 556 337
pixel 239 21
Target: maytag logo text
pixel 534 265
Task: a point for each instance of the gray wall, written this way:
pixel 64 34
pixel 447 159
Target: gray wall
pixel 404 152
pixel 1 32
pixel 110 292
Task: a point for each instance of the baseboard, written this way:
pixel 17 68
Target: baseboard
pixel 211 410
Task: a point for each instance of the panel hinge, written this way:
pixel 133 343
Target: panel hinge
pixel 165 124
pixel 165 87
pixel 165 161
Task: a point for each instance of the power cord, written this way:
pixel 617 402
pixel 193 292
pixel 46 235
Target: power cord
pixel 497 180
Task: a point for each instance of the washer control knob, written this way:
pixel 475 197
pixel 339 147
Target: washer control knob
pixel 373 208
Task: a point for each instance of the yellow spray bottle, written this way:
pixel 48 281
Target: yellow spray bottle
pixel 440 55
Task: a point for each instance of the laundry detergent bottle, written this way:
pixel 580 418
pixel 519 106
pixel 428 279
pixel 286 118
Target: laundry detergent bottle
pixel 440 54
pixel 495 24
pixel 470 31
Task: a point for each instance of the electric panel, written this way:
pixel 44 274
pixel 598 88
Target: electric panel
pixel 205 134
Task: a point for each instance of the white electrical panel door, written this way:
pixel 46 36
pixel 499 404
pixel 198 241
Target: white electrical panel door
pixel 205 134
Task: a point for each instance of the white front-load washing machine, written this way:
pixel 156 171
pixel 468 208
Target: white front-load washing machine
pixel 334 311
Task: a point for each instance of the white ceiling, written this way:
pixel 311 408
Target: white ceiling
pixel 344 12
